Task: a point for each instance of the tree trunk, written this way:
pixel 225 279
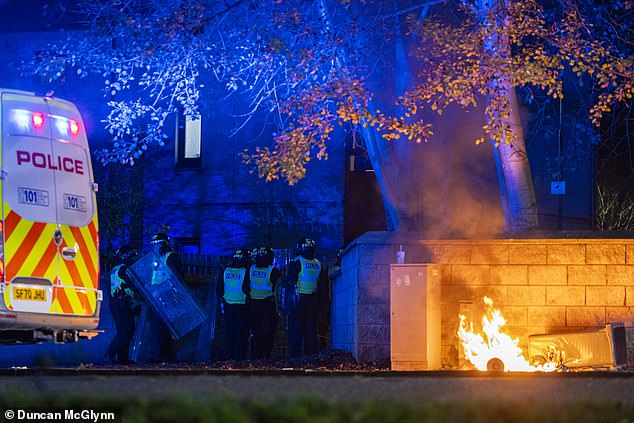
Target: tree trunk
pixel 397 176
pixel 514 175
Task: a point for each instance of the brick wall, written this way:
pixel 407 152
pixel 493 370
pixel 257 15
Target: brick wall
pixel 541 285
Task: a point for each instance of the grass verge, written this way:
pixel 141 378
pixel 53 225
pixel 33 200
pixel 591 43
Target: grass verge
pixel 187 409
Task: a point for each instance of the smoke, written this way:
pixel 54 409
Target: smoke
pixel 455 191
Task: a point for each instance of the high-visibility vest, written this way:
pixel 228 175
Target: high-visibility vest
pixel 116 281
pixel 261 285
pixel 308 275
pixel 160 273
pixel 233 278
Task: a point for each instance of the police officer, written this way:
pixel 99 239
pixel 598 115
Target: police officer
pixel 124 305
pixel 262 312
pixel 163 251
pixel 311 280
pixel 165 255
pixel 232 290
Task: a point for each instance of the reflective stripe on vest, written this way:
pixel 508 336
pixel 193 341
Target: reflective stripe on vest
pixel 233 279
pixel 261 286
pixel 159 273
pixel 116 281
pixel 308 275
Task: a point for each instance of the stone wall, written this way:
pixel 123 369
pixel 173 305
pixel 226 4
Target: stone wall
pixel 541 285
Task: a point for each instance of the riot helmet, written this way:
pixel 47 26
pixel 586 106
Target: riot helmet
pixel 241 258
pixel 263 256
pixel 126 255
pixel 306 248
pixel 160 243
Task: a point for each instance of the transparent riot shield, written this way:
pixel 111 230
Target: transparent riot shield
pixel 169 299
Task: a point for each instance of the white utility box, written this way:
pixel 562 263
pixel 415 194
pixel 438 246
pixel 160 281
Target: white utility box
pixel 415 316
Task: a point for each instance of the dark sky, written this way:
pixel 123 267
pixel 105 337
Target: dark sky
pixel 38 15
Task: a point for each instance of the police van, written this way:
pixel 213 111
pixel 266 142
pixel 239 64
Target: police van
pixel 49 245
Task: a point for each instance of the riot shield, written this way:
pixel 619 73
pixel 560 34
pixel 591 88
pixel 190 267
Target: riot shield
pixel 286 296
pixel 169 299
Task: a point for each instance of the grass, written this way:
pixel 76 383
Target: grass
pixel 227 410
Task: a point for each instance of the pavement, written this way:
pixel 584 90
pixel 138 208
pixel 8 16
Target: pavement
pixel 439 386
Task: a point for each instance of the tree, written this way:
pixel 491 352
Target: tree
pixel 304 64
pixel 496 47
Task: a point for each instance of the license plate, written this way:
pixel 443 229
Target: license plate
pixel 32 294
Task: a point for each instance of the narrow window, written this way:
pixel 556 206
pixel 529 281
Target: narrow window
pixel 188 141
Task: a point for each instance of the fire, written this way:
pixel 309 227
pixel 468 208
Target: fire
pixel 495 350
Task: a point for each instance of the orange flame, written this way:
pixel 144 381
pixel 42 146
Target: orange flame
pixel 495 346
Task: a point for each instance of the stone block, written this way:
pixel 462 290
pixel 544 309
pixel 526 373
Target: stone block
pixel 508 275
pixel 620 275
pixel 367 274
pixel 470 274
pixel 489 254
pixel 547 275
pixel 566 254
pixel 339 300
pixel 526 295
pixel 382 274
pixel 418 255
pixel 497 293
pixel 375 314
pixel 445 274
pixel 377 254
pixel 585 316
pixel 455 293
pixel 351 314
pixel 349 277
pixel 374 294
pixel 629 253
pixel 528 254
pixel 342 345
pixel 373 334
pixel 450 314
pixel 343 333
pixel 451 254
pixel 447 332
pixel 605 254
pixel 350 258
pixel 449 309
pixel 629 296
pixel 565 295
pixel 546 316
pixel 343 315
pixel 605 295
pixel 587 275
pixel 619 314
pixel 372 352
pixel 514 315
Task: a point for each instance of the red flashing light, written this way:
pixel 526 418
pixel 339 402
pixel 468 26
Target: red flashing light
pixel 74 127
pixel 38 119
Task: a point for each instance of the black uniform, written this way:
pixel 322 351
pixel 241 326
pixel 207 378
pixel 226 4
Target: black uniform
pixel 262 310
pixel 124 305
pixel 312 282
pixel 164 342
pixel 232 290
